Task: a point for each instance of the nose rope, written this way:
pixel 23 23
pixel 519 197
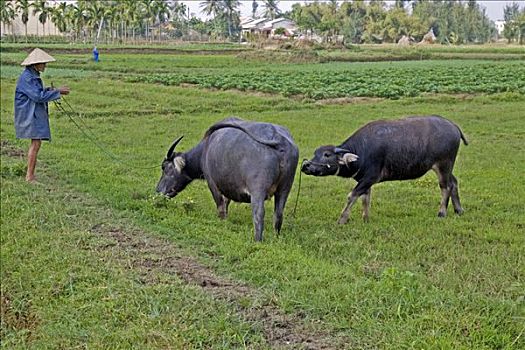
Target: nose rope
pixel 328 166
pixel 70 113
pixel 300 181
pixel 298 190
pixel 318 164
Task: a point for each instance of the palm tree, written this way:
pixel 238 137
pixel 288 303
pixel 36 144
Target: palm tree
pixel 41 9
pixel 111 16
pixel 131 15
pixel 7 13
pixel 147 13
pixel 161 11
pixel 212 7
pixel 59 17
pixel 271 8
pixel 232 15
pixel 23 6
pixel 179 11
pixel 78 18
pixel 95 17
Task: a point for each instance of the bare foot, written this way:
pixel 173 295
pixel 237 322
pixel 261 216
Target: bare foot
pixel 33 181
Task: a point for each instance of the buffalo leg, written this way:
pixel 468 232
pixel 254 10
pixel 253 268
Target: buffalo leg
pixel 445 184
pixel 220 201
pixel 455 195
pixel 222 208
pixel 366 204
pixel 358 191
pixel 280 202
pixel 257 203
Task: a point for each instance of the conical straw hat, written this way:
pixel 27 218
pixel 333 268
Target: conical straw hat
pixel 37 56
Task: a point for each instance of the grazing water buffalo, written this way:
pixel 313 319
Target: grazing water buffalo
pixel 242 161
pixel 387 150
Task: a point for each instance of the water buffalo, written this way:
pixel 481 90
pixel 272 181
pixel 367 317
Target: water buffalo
pixel 388 150
pixel 243 161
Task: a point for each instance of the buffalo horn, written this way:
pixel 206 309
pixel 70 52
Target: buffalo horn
pixel 341 150
pixel 172 148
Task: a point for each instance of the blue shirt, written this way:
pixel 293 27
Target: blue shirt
pixel 31 111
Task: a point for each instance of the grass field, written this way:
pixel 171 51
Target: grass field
pixel 93 258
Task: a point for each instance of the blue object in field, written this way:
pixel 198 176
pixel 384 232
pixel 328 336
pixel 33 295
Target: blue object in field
pixel 95 54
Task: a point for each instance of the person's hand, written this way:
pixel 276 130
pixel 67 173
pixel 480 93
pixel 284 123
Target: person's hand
pixel 64 90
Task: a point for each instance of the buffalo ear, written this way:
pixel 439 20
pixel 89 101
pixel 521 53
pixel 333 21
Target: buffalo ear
pixel 169 156
pixel 179 162
pixel 348 158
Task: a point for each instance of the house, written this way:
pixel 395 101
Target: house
pixel 267 27
pixel 289 27
pixel 500 26
pixel 252 25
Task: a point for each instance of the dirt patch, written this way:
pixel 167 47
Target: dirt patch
pixel 152 256
pixel 20 318
pixel 282 56
pixel 348 100
pixel 6 148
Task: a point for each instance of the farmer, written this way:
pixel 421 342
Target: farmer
pixel 95 54
pixel 31 111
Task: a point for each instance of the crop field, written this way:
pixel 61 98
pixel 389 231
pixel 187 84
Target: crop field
pixel 92 257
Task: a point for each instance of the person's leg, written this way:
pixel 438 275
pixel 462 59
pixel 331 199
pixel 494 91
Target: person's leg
pixel 31 159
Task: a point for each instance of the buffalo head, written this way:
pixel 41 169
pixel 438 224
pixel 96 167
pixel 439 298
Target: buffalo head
pixel 327 160
pixel 174 178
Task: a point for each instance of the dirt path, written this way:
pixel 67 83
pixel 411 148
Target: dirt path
pixel 151 256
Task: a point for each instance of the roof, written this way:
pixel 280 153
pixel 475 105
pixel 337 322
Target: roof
pixel 254 23
pixel 277 20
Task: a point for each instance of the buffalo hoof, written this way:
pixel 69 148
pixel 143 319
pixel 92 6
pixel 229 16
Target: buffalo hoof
pixel 441 214
pixel 458 211
pixel 342 221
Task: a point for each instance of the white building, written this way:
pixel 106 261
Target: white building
pixel 34 27
pixel 500 26
pixel 267 27
pixel 251 25
pixel 289 27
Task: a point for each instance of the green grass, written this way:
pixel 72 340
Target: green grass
pixel 209 46
pixel 406 279
pixel 394 52
pixel 313 81
pixel 63 288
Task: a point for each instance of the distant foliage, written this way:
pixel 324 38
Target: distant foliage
pixel 515 23
pixel 358 21
pixel 374 22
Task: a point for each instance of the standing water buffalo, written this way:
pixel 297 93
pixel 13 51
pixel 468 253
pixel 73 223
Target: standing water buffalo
pixel 387 150
pixel 242 161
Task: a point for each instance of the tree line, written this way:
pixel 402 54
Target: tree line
pixel 357 21
pixel 452 21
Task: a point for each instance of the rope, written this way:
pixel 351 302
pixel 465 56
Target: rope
pixel 298 190
pixel 91 136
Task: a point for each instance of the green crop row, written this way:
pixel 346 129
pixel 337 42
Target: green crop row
pixel 387 82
